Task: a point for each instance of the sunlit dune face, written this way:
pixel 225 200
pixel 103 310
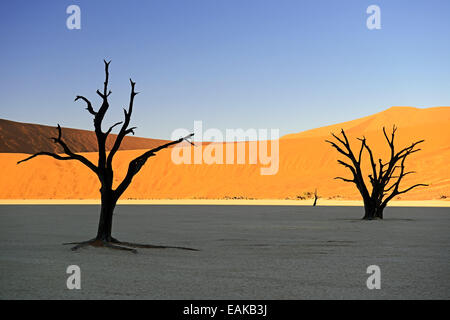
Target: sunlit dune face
pixel 306 163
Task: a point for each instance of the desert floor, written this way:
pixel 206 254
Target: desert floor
pixel 246 252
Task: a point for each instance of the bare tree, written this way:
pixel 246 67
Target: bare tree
pixel 315 197
pixel 104 169
pixel 385 178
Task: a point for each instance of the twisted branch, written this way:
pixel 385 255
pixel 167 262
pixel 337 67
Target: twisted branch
pixel 67 151
pixel 381 176
pixel 136 164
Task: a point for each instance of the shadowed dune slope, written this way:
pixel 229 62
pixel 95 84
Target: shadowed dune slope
pixel 306 162
pixel 17 137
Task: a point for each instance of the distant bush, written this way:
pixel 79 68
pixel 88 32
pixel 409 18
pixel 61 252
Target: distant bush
pixel 306 195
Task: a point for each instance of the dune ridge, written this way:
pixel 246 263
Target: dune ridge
pixel 18 137
pixel 402 117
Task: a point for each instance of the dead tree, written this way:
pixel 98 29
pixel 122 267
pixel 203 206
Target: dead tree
pixel 104 168
pixel 385 177
pixel 315 198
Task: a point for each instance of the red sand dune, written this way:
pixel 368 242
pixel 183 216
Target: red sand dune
pixel 17 137
pixel 306 163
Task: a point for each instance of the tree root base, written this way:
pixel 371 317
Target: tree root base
pixel 119 245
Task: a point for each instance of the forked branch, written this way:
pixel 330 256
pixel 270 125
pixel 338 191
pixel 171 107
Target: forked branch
pixel 67 151
pixel 124 129
pixel 136 164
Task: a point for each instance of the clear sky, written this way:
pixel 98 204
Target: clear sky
pixel 292 65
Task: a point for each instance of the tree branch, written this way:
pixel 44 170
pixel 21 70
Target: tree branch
pixel 112 127
pixel 334 145
pixel 356 168
pixel 88 103
pixel 124 130
pixel 71 155
pixel 412 187
pixel 137 163
pixel 344 179
pixel 372 162
pixel 54 155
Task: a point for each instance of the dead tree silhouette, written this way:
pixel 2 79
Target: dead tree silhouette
pixel 104 169
pixel 381 178
pixel 315 197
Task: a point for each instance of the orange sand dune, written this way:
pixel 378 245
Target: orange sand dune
pixel 306 163
pixel 31 138
pixel 402 117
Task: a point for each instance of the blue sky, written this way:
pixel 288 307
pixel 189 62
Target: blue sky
pixel 292 65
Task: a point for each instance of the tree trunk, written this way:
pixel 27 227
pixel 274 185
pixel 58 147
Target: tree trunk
pixel 372 211
pixel 379 212
pixel 106 216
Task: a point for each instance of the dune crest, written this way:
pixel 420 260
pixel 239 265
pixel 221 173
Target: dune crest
pixel 18 137
pixel 402 117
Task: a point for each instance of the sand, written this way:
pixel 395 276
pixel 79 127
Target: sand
pixel 18 137
pixel 306 163
pixel 229 202
pixel 402 117
pixel 247 252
